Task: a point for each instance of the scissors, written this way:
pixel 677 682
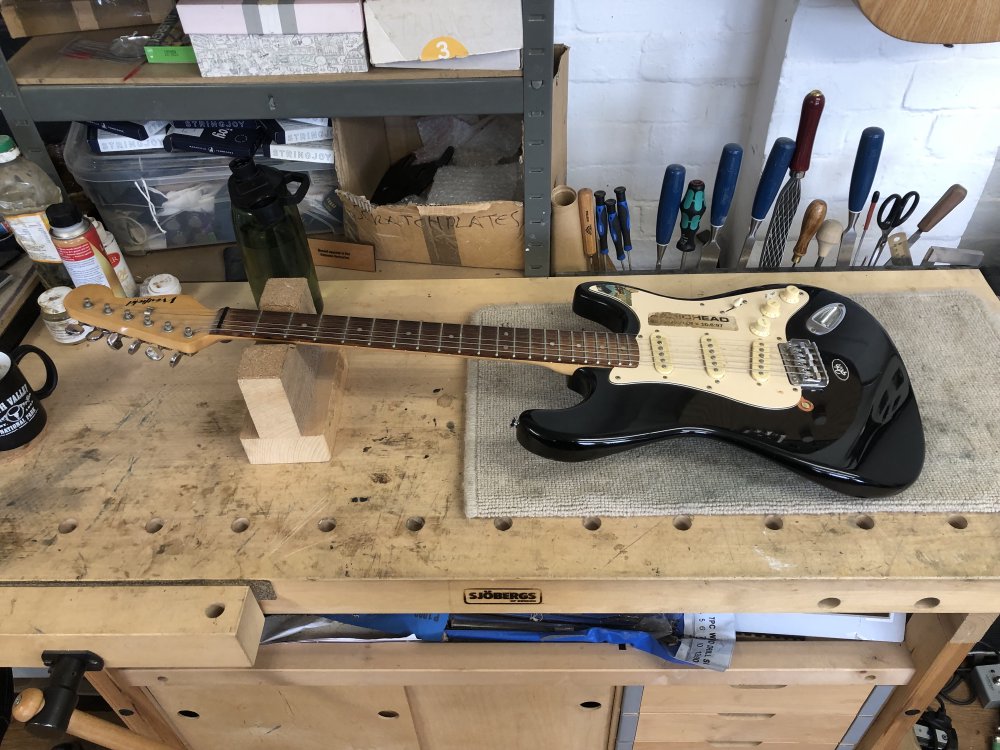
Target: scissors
pixel 893 212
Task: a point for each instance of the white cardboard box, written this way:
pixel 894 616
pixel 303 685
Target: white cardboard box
pixel 279 54
pixel 449 34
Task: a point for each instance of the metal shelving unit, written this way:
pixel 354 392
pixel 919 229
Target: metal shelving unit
pixel 380 93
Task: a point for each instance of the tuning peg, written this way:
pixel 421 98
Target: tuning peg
pixel 175 358
pixel 115 341
pixel 134 346
pixel 154 353
pixel 96 335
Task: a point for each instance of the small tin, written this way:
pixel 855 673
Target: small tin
pixel 160 284
pixel 56 319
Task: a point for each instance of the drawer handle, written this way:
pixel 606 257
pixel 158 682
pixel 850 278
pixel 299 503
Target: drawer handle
pixel 752 717
pixel 758 687
pixel 733 744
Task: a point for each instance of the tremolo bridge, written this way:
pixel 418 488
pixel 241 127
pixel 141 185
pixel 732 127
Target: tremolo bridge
pixel 803 364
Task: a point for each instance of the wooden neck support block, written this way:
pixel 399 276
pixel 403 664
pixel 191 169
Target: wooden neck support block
pixel 290 391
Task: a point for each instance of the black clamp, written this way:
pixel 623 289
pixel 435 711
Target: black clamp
pixel 66 670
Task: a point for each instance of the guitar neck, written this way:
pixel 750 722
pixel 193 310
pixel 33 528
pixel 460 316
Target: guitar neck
pixel 536 345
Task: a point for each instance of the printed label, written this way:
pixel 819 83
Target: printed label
pixel 57 329
pixel 687 320
pixel 708 640
pixel 443 48
pixel 840 369
pixel 16 411
pixel 503 596
pixel 32 234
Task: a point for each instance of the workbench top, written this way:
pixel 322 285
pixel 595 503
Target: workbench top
pixel 140 477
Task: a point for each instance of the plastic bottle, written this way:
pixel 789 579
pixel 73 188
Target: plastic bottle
pixel 25 192
pixel 268 226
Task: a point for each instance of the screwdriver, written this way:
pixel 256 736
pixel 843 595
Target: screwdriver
pixel 615 231
pixel 868 223
pixel 692 209
pixel 666 210
pixel 602 228
pixel 624 223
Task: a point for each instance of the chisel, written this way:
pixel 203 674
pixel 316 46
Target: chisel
pixel 722 198
pixel 868 223
pixel 666 211
pixel 827 238
pixel 692 209
pixel 624 223
pixel 770 182
pixel 585 198
pixel 601 214
pixel 865 165
pixel 945 205
pixel 811 220
pixel 614 229
pixel 791 193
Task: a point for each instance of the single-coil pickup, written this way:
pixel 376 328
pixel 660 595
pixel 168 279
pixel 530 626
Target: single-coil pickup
pixel 661 354
pixel 760 361
pixel 715 363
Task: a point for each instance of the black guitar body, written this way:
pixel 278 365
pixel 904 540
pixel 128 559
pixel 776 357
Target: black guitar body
pixel 860 434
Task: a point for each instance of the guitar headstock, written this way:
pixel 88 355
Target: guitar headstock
pixel 173 322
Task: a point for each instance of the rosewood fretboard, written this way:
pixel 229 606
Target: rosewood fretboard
pixel 592 348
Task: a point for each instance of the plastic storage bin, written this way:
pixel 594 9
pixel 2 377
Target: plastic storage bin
pixel 155 200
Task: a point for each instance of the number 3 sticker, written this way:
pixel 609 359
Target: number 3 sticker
pixel 443 48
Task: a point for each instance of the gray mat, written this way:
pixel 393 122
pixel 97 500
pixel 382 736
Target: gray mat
pixel 949 341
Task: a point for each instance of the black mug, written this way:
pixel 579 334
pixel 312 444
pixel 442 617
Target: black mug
pixel 21 414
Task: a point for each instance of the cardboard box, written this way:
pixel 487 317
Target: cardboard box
pixel 279 54
pixel 445 34
pixel 482 235
pixel 295 17
pixel 39 17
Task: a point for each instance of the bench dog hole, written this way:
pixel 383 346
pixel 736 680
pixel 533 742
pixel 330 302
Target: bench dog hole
pixel 591 523
pixel 214 610
pixel 68 526
pixel 503 523
pixel 240 525
pixel 327 525
pixel 774 523
pixel 864 521
pixel 683 523
pixel 831 602
pixel 153 525
pixel 188 713
pixel 958 522
pixel 590 705
pixel 389 714
pixel 415 523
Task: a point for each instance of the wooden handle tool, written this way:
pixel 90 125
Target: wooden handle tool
pixel 945 205
pixel 85 726
pixel 814 216
pixel 585 199
pixel 828 237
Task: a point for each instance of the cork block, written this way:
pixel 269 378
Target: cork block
pixel 291 391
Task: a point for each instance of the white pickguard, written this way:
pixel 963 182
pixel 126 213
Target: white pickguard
pixel 681 327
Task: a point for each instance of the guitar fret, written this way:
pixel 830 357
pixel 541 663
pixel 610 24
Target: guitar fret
pixel 319 324
pixel 559 344
pixel 288 325
pixel 514 345
pixel 479 347
pixel 420 330
pixel 607 336
pixel 395 335
pixel 371 331
pixel 440 335
pixel 347 325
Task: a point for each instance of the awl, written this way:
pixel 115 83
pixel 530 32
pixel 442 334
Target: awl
pixel 951 198
pixel 811 220
pixel 770 182
pixel 827 238
pixel 865 165
pixel 868 222
pixel 722 198
pixel 666 211
pixel 692 209
pixel 791 193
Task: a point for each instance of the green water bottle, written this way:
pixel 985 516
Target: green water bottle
pixel 268 226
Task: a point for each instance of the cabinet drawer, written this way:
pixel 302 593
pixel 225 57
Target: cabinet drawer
pixel 786 699
pixel 742 727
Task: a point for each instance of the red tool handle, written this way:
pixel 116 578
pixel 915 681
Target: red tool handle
pixel 812 108
pixel 871 209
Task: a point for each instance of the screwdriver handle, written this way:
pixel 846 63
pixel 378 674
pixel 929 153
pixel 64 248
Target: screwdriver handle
pixel 814 216
pixel 871 209
pixel 624 219
pixel 585 199
pixel 951 198
pixel 725 182
pixel 865 164
pixel 828 237
pixel 602 222
pixel 613 227
pixel 770 179
pixel 670 199
pixel 812 109
pixel 692 209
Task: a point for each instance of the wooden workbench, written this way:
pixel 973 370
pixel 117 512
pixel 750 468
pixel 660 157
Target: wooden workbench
pixel 138 493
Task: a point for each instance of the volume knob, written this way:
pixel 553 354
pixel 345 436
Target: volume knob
pixel 790 294
pixel 771 308
pixel 760 327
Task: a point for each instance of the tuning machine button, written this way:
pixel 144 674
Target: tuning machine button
pixel 771 308
pixel 154 352
pixel 134 346
pixel 790 294
pixel 96 335
pixel 760 327
pixel 175 358
pixel 115 341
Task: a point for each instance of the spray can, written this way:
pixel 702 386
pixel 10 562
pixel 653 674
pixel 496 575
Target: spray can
pixel 82 252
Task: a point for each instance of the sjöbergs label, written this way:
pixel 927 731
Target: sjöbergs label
pixel 503 596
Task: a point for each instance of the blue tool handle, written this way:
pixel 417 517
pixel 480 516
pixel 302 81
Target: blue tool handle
pixel 613 227
pixel 865 164
pixel 725 182
pixel 624 219
pixel 670 200
pixel 770 179
pixel 602 226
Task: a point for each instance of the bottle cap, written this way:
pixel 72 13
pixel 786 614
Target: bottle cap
pixel 62 215
pixel 6 144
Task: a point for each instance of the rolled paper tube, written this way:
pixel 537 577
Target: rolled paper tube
pixel 567 239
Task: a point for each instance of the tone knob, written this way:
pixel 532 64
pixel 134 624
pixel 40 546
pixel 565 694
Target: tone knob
pixel 760 327
pixel 790 294
pixel 771 308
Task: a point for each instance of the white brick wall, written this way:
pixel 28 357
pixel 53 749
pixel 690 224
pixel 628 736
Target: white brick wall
pixel 649 88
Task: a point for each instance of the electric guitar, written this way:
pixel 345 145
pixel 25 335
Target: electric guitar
pixel 802 376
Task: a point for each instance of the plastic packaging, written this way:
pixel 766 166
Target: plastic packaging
pixel 268 227
pixel 25 192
